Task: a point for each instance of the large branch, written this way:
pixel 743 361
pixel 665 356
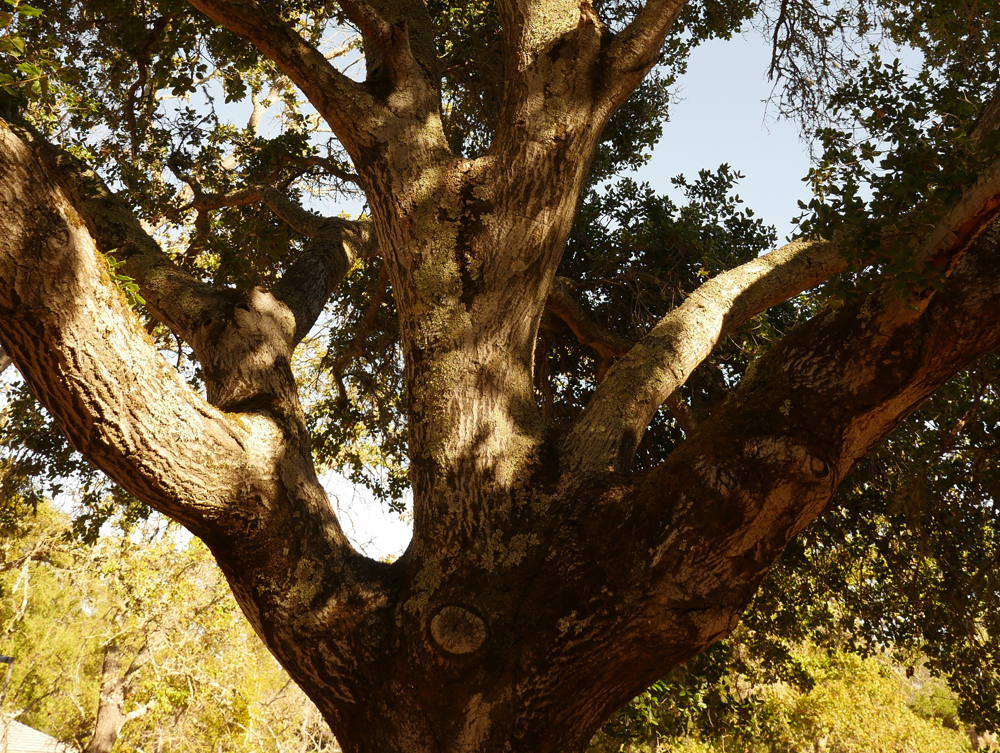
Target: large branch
pixel 243 480
pixel 551 53
pixel 172 295
pixel 344 104
pixel 636 49
pixel 88 360
pixel 770 458
pixel 310 281
pixel 610 428
pixel 692 539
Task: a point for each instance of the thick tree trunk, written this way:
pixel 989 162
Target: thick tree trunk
pixel 544 588
pixel 545 585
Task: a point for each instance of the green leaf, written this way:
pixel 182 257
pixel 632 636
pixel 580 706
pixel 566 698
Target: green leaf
pixel 13 45
pixel 30 69
pixel 27 10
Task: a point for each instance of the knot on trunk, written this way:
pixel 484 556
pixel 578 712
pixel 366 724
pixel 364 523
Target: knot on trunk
pixel 457 630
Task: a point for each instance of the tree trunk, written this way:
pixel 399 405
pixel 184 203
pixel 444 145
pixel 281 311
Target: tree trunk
pixel 110 704
pixel 546 585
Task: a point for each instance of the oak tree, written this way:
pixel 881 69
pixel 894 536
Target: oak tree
pixel 582 524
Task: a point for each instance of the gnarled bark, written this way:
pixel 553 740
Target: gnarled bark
pixel 545 584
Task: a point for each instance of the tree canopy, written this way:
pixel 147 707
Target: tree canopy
pixel 614 416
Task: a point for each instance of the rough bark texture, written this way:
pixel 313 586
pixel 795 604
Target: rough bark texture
pixel 545 585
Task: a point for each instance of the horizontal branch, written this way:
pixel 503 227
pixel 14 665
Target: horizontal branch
pixel 300 220
pixel 329 166
pixel 614 421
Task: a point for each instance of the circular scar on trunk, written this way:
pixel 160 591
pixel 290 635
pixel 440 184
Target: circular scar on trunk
pixel 457 630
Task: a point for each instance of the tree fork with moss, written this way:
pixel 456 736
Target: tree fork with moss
pixel 546 583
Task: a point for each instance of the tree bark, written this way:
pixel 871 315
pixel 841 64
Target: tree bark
pixel 110 705
pixel 545 584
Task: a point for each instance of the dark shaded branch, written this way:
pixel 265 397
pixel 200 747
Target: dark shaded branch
pixel 307 285
pixel 626 401
pixel 330 167
pixel 374 28
pixel 4 360
pixel 989 118
pixel 350 110
pixel 141 86
pixel 682 414
pixel 971 215
pixel 608 345
pixel 335 244
pixel 563 304
pixel 356 348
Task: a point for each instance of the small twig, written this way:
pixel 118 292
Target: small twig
pixel 328 165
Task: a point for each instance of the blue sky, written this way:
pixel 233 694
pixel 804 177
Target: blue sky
pixel 723 118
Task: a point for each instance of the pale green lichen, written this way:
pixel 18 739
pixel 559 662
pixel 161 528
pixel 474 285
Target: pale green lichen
pixel 308 582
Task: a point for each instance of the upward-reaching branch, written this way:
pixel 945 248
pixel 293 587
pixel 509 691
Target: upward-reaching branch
pixel 626 401
pixel 551 50
pixel 636 49
pixel 310 281
pixel 172 295
pixel 614 421
pixel 350 110
pixel 64 322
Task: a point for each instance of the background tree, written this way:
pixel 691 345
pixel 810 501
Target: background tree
pixel 569 532
pixel 137 639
